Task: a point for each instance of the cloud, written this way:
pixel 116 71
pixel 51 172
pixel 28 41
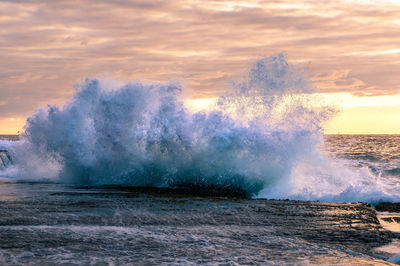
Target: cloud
pixel 47 46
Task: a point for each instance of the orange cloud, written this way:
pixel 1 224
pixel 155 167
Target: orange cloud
pixel 48 46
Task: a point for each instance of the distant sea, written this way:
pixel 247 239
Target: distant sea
pixel 380 153
pixel 9 137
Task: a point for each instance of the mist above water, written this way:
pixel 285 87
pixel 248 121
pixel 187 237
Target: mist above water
pixel 262 137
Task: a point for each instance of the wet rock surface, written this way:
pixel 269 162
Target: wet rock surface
pixel 388 207
pixel 50 223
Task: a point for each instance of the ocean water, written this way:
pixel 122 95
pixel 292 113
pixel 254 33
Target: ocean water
pixel 379 153
pixel 126 173
pixel 376 155
pixel 46 223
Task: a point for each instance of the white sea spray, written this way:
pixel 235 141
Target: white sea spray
pixel 261 137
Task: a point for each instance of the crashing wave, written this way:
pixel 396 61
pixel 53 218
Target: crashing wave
pixel 261 138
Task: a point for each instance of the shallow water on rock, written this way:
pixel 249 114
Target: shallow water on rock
pixel 56 224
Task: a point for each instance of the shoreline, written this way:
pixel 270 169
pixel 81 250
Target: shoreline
pixel 44 218
pixel 388 215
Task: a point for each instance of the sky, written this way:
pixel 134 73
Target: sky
pixel 351 50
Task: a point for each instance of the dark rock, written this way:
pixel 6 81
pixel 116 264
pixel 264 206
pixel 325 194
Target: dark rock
pixel 388 207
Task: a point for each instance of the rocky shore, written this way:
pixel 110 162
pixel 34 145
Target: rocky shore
pixel 55 224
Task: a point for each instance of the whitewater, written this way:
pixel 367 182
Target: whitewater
pixel 261 139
